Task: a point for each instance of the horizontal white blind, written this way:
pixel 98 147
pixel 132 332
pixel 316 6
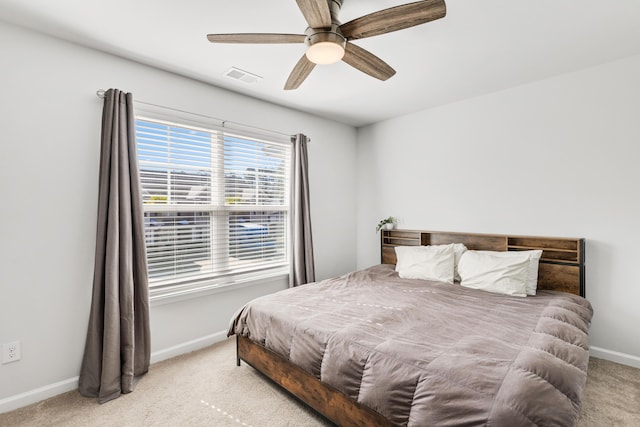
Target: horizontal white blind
pixel 215 202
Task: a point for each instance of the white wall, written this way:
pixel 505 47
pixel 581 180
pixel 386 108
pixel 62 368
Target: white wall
pixel 49 152
pixel 555 158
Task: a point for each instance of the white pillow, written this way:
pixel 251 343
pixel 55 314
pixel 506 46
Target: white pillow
pixel 426 262
pixel 534 260
pixel 458 250
pixel 498 274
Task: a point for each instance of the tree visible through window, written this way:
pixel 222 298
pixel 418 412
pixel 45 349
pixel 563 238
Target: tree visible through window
pixel 215 202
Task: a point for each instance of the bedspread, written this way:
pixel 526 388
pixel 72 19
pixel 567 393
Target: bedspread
pixel 429 353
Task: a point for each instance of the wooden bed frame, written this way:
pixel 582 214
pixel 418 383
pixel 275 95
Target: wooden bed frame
pixel 561 268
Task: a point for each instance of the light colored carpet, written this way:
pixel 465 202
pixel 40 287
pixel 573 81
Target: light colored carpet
pixel 205 388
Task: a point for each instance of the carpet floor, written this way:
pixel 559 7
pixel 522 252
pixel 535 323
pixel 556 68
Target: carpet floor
pixel 205 388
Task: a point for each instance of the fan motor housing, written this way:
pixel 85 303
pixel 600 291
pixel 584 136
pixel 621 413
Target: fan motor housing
pixel 332 35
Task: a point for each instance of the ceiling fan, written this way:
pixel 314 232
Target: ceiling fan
pixel 328 41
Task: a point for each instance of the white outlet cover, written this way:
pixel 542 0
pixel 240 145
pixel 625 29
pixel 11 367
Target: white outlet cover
pixel 11 352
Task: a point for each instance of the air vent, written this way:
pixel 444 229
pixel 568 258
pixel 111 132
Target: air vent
pixel 243 76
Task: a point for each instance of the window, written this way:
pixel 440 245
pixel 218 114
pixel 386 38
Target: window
pixel 216 205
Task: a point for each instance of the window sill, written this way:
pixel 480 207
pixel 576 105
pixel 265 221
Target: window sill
pixel 171 294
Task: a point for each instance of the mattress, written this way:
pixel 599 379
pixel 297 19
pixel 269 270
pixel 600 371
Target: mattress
pixel 431 353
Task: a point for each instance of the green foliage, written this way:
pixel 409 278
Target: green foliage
pixel 158 199
pixel 389 220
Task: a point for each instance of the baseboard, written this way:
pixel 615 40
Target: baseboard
pixel 33 396
pixel 188 346
pixel 614 356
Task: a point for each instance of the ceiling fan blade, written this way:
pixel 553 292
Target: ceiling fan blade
pixel 300 72
pixel 394 18
pixel 367 62
pixel 316 12
pixel 256 38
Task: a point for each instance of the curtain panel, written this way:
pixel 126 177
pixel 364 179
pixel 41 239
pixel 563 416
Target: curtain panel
pixel 117 349
pixel 303 270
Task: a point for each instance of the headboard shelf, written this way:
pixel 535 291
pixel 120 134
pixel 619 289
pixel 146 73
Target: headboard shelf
pixel 561 265
pixel 402 238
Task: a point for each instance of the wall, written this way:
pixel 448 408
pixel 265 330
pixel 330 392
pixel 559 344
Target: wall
pixel 555 158
pixel 50 121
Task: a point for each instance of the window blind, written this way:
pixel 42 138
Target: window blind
pixel 216 202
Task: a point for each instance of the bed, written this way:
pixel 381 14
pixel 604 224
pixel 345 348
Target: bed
pixel 372 349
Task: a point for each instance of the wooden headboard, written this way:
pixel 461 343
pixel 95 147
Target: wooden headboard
pixel 561 266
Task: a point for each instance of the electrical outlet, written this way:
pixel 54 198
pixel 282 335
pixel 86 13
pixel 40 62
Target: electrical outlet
pixel 11 352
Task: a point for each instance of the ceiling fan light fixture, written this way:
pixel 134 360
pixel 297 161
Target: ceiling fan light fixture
pixel 325 47
pixel 325 53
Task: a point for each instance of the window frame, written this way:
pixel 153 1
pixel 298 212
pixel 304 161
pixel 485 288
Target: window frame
pixel 168 290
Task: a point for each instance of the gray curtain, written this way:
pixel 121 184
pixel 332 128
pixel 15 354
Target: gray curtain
pixel 303 270
pixel 117 349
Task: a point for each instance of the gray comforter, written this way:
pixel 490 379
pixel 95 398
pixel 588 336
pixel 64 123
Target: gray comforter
pixel 429 353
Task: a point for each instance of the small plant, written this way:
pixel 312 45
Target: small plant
pixel 383 222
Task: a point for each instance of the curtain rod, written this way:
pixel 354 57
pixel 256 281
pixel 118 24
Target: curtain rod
pixel 101 93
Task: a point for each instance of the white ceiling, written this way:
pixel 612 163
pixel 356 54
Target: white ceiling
pixel 481 46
